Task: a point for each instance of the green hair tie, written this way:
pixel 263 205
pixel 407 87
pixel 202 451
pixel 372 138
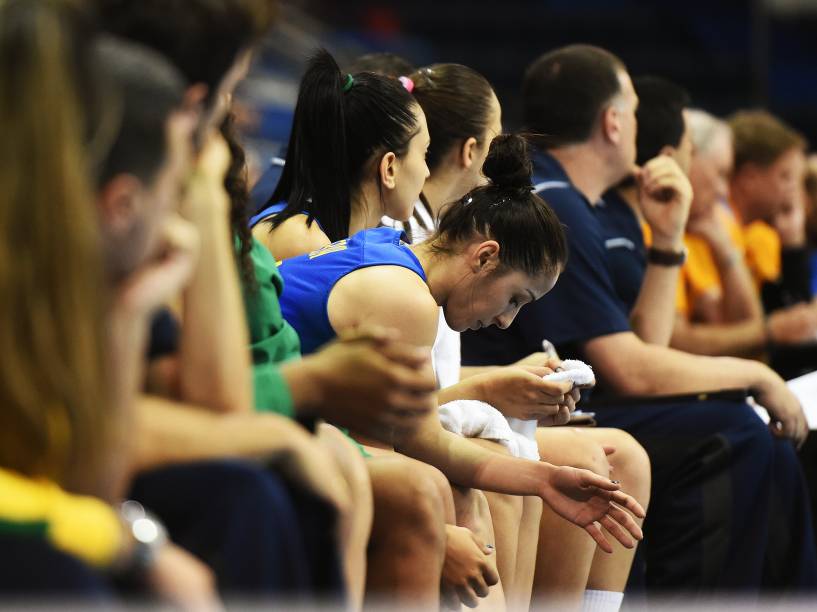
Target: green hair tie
pixel 350 80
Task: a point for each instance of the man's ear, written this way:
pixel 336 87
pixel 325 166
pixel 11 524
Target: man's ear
pixel 119 204
pixel 611 124
pixel 387 170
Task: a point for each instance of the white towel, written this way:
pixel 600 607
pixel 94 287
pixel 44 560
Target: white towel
pixel 575 371
pixel 475 419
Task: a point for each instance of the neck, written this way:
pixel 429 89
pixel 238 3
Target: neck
pixel 587 169
pixel 739 202
pixel 439 271
pixel 441 188
pixel 629 193
pixel 366 210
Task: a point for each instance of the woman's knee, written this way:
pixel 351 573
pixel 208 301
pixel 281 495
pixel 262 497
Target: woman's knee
pixel 629 463
pixel 408 499
pixel 351 464
pixel 572 447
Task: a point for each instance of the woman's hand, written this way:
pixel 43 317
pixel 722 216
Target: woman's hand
pixel 467 568
pixel 520 392
pixel 591 502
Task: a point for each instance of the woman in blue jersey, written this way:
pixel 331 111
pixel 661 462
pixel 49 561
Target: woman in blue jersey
pixel 356 152
pixel 496 249
pixel 463 116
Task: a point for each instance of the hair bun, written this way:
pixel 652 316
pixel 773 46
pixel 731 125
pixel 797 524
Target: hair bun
pixel 508 164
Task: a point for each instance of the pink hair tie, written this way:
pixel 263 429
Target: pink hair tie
pixel 407 83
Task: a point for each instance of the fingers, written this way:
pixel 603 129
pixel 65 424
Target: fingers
pixel 467 596
pixel 617 531
pixel 563 416
pixel 626 501
pixel 490 575
pixel 538 370
pixel 626 521
pixel 478 585
pixel 406 354
pixel 595 532
pixel 410 380
pixel 589 479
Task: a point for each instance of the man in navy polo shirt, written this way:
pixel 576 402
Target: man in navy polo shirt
pixel 714 462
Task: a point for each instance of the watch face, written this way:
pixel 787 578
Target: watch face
pixel 146 530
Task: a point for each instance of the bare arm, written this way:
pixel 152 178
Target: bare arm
pixel 739 299
pixel 653 316
pixel 214 364
pixel 745 338
pixel 664 197
pixel 169 432
pixel 631 367
pixel 292 238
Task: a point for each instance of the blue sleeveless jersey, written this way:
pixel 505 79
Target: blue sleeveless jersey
pixel 309 279
pixel 270 211
pixel 266 213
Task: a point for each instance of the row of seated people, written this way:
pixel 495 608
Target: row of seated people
pixel 119 137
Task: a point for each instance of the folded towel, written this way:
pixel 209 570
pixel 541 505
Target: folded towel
pixel 575 371
pixel 475 419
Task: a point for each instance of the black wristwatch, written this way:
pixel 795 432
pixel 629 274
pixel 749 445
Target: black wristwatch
pixel 660 257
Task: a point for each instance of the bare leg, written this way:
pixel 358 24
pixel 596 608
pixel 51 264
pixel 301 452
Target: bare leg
pixel 473 512
pixel 506 516
pixel 631 466
pixel 355 526
pixel 565 552
pixel 526 554
pixel 407 546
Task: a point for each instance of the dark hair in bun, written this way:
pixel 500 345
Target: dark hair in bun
pixel 529 233
pixel 508 164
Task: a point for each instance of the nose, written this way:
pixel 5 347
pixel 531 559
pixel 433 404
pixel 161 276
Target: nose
pixel 504 321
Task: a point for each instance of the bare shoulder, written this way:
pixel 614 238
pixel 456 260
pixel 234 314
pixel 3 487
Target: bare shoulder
pixel 292 238
pixel 388 296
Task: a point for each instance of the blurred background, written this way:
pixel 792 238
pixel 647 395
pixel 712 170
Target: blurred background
pixel 728 54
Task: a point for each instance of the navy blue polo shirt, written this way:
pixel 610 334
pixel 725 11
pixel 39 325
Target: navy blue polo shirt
pixel 624 243
pixel 583 305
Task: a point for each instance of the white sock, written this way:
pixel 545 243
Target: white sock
pixel 601 601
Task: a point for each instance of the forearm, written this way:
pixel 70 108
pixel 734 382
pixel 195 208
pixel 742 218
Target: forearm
pixel 471 389
pixel 653 315
pixel 746 338
pixel 215 360
pixel 169 432
pixel 630 367
pixel 741 302
pixel 470 465
pixel 469 371
pixel 128 336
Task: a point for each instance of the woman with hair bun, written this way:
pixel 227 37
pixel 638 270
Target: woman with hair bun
pixel 496 249
pixel 463 114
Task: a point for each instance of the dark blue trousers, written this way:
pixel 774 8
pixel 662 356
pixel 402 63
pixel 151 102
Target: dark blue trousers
pixel 261 537
pixel 729 510
pixel 31 568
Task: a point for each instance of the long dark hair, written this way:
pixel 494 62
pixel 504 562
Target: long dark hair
pixel 529 233
pixel 340 122
pixel 237 188
pixel 457 104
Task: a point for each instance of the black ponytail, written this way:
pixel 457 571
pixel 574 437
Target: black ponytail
pixel 340 123
pixel 529 233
